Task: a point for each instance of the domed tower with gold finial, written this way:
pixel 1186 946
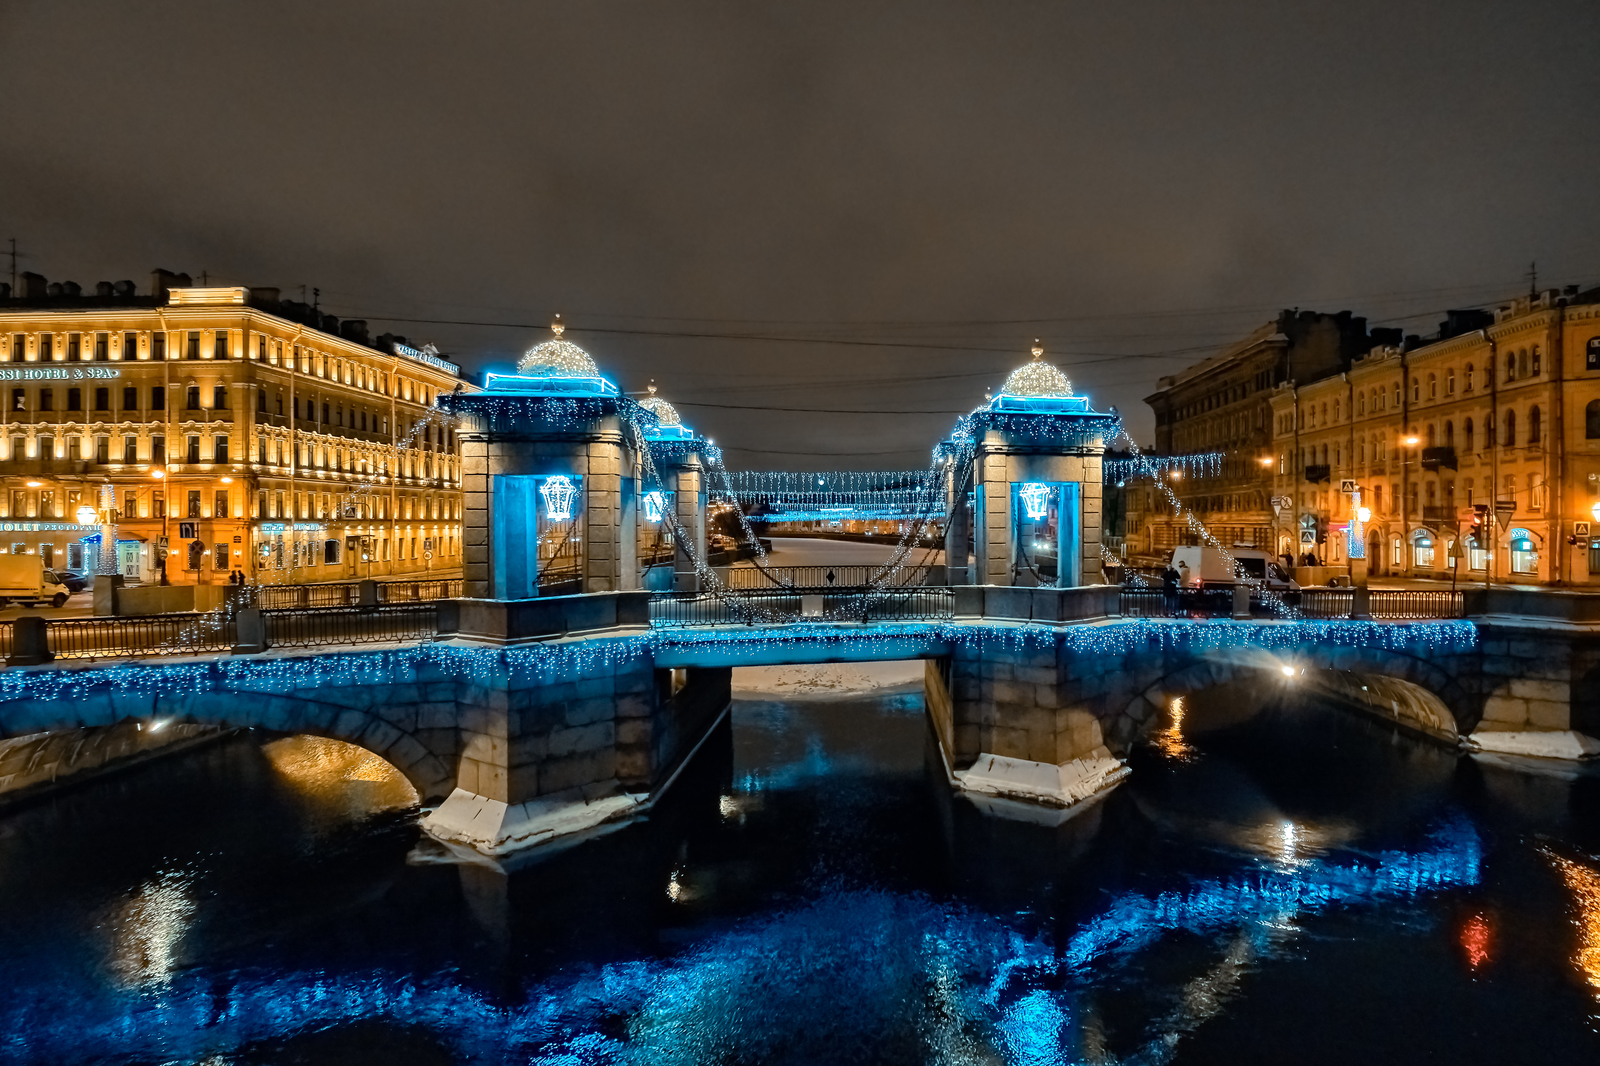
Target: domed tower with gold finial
pixel 1036 450
pixel 674 515
pixel 550 472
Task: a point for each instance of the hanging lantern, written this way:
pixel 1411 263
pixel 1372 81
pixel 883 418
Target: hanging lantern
pixel 1034 497
pixel 559 495
pixel 654 505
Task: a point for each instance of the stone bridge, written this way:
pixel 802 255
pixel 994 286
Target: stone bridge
pixel 526 738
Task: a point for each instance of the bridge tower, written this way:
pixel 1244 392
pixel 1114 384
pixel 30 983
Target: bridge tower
pixel 1036 452
pixel 551 477
pixel 678 455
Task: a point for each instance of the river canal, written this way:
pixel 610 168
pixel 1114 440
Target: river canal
pixel 1278 881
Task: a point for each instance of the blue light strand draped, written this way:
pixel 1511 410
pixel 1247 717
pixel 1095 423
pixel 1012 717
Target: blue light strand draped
pixel 531 663
pixel 1197 464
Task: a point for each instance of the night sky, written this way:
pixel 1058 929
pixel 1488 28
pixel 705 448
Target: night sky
pixel 850 207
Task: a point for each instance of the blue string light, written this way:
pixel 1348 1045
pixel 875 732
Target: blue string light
pixel 531 663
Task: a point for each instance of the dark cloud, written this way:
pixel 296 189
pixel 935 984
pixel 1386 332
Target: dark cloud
pixel 927 173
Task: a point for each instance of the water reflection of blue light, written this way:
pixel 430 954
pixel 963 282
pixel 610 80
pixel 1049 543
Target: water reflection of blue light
pixel 912 971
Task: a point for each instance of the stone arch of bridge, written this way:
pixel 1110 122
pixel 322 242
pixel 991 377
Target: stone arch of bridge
pixel 1405 688
pixel 425 757
pixel 390 732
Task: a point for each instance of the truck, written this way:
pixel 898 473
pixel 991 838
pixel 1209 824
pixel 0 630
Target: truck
pixel 24 580
pixel 1202 567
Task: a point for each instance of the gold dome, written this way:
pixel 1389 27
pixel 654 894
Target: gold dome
pixel 1037 379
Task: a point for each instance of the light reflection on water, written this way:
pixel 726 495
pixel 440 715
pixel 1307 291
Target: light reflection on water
pixel 1583 881
pixel 811 905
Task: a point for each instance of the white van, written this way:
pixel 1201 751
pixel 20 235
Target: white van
pixel 23 580
pixel 1204 567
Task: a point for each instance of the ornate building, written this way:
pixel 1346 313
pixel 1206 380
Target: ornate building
pixel 1501 411
pixel 1223 404
pixel 220 429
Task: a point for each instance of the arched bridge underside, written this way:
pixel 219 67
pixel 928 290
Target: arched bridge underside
pixel 518 723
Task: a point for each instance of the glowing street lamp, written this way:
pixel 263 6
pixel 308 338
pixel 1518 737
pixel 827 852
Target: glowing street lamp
pixel 1411 442
pixel 1364 514
pixel 87 515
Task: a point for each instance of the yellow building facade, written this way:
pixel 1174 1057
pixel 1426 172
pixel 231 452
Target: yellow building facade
pixel 223 437
pixel 1479 453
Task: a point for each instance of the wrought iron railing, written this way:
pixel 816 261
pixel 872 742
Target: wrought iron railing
pixel 812 605
pixel 348 593
pixel 397 624
pixel 122 638
pixel 419 591
pixel 852 576
pixel 1388 605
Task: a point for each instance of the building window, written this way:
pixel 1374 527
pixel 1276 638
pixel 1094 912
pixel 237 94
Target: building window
pixel 192 398
pixel 102 399
pixel 220 449
pixel 1450 382
pixel 1397 552
pixel 19 400
pixel 1522 363
pixel 1433 387
pixel 1591 420
pixel 130 399
pixel 332 551
pixel 1477 557
pixel 194 503
pixel 192 351
pixel 1466 432
pixel 1511 366
pixel 158 346
pixel 1449 434
pixel 47 399
pixel 102 347
pixel 1535 492
pixel 74 399
pixel 74 353
pixel 261 348
pixel 1422 550
pixel 158 398
pixel 1533 425
pixel 158 449
pixel 47 348
pixel 261 400
pixel 219 557
pixel 220 504
pixel 158 505
pixel 1524 555
pixel 102 450
pixel 130 449
pixel 219 397
pixel 194 448
pixel 219 346
pixel 1511 429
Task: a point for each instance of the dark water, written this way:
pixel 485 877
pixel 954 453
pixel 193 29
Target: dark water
pixel 1299 885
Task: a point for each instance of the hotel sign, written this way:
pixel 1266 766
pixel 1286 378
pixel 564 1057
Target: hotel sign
pixel 90 372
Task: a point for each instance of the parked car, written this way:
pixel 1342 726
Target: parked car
pixel 74 582
pixel 24 580
pixel 1208 568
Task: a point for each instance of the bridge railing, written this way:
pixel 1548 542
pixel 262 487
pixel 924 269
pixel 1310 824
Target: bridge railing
pixel 348 593
pixel 809 605
pixel 825 578
pixel 394 624
pixel 1387 605
pixel 136 637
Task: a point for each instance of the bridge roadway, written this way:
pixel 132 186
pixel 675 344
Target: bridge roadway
pixel 525 741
